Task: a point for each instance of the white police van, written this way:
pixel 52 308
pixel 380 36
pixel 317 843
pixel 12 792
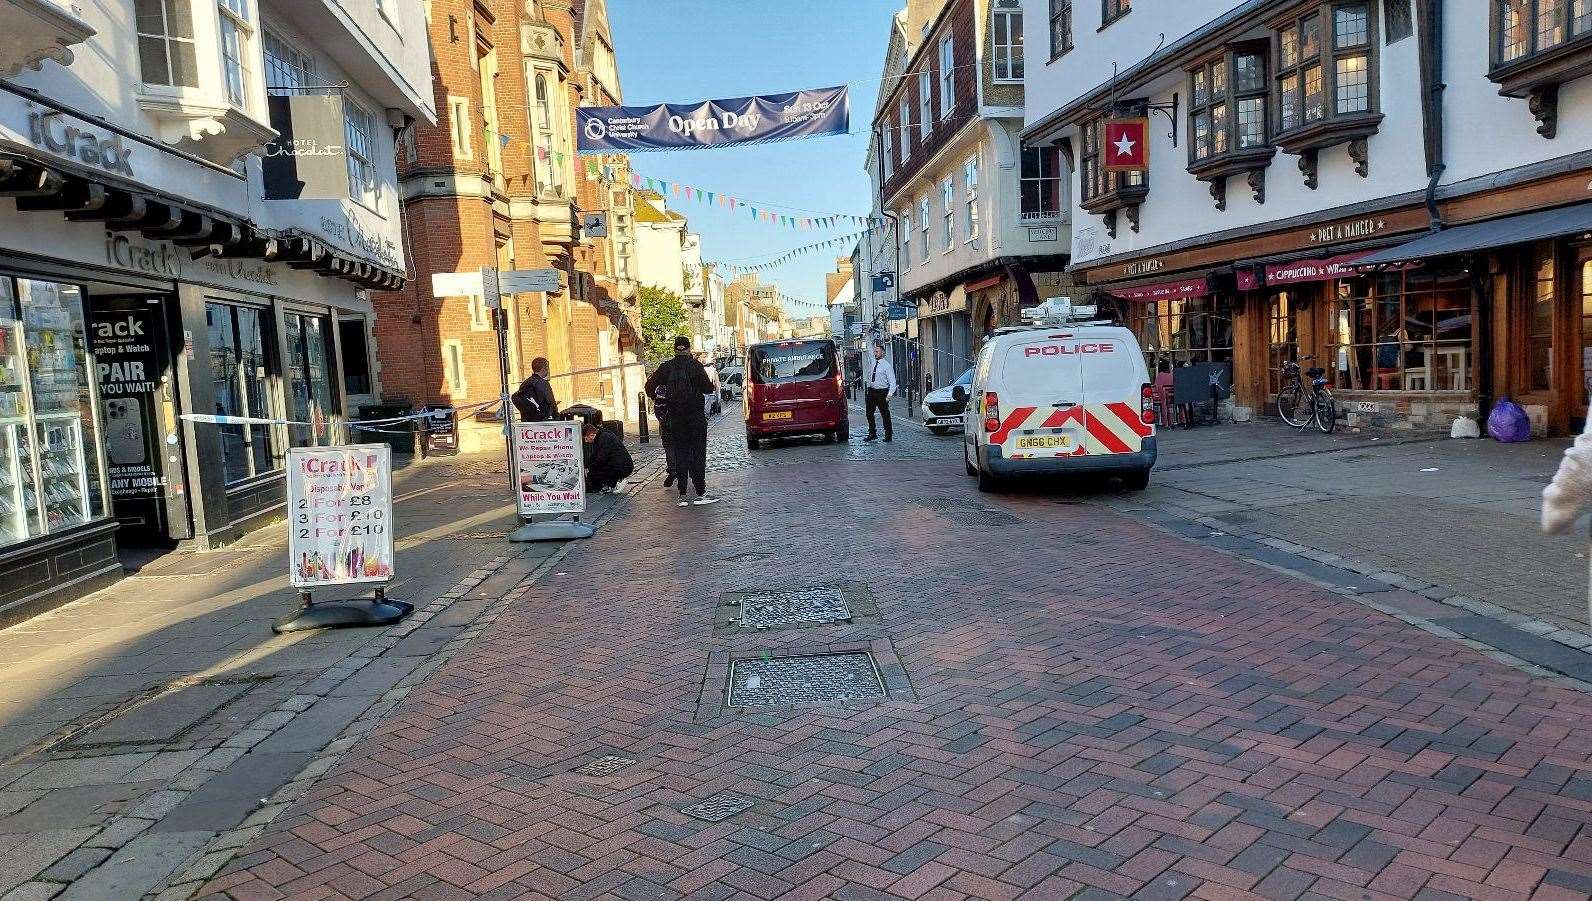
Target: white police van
pixel 1060 394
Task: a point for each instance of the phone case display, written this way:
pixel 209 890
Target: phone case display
pixel 62 471
pixel 17 497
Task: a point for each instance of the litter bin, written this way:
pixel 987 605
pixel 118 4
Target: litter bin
pixel 400 436
pixel 585 413
pixel 441 432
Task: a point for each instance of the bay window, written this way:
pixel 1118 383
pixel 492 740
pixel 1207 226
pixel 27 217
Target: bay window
pixel 166 54
pixel 1227 104
pixel 1324 66
pixel 1536 46
pixel 236 33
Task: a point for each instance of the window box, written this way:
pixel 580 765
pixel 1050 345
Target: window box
pixel 37 30
pixel 1538 45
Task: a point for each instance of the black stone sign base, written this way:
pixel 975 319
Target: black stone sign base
pixel 376 611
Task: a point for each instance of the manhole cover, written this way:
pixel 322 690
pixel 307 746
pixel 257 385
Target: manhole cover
pixel 606 765
pixel 718 807
pixel 792 681
pixel 968 514
pixel 803 606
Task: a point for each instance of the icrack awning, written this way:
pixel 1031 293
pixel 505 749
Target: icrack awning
pixel 1521 229
pixel 1177 290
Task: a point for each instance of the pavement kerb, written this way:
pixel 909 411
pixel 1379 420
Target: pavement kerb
pixel 191 875
pixel 1535 669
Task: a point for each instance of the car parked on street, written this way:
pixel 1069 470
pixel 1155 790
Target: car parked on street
pixel 943 407
pixel 1060 396
pixel 794 388
pixel 731 382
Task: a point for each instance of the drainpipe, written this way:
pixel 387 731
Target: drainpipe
pixel 1429 25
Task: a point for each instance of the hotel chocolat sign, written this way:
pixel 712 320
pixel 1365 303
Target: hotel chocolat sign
pixel 308 160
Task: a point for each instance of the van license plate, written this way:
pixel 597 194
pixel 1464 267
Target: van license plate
pixel 1044 441
pixel 783 414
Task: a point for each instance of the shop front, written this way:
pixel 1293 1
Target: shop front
pixel 121 311
pixel 945 328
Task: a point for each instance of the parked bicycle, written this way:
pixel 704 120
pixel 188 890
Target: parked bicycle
pixel 1302 405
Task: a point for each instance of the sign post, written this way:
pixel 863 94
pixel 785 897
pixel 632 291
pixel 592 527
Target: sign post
pixel 340 532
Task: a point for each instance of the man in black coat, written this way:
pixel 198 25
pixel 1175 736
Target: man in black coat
pixel 534 399
pixel 685 386
pixel 608 462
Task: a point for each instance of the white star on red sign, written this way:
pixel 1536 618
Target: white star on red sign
pixel 1125 146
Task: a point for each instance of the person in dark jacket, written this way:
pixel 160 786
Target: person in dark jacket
pixel 685 385
pixel 534 399
pixel 607 461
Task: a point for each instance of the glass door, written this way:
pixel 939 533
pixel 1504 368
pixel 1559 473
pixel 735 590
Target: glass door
pixel 1583 287
pixel 1282 338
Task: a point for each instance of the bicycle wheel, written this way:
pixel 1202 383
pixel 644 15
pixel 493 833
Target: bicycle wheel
pixel 1288 407
pixel 1326 412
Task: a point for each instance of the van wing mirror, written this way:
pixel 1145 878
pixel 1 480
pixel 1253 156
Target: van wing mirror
pixel 959 394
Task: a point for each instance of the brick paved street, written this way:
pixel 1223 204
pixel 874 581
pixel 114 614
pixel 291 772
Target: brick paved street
pixel 1080 704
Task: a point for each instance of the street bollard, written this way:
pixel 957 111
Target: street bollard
pixel 641 404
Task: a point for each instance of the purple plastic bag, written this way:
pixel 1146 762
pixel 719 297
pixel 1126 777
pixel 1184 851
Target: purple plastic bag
pixel 1508 422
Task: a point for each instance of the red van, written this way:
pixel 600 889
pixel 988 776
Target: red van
pixel 794 388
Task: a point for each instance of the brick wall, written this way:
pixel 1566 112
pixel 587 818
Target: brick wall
pixel 957 22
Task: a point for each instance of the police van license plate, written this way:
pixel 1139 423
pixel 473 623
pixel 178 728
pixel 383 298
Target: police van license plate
pixel 1043 441
pixel 783 414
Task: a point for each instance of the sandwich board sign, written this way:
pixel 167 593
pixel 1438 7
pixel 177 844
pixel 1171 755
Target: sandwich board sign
pixel 340 515
pixel 550 467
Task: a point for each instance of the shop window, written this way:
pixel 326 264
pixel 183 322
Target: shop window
pixel 356 355
pixel 1585 290
pixel 50 474
pixel 359 128
pixel 1007 26
pixel 166 54
pixel 1282 337
pixel 1060 27
pixel 309 379
pixel 1112 10
pixel 1176 333
pixel 1539 323
pixel 238 372
pixel 1403 331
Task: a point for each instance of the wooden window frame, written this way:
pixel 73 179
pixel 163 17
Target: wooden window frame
pixel 1014 63
pixel 1332 127
pixel 1538 72
pixel 1112 11
pixel 1232 158
pixel 1060 11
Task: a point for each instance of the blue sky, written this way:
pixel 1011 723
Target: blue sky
pixel 678 51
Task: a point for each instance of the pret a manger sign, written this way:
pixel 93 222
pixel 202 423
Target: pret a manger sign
pixel 340 529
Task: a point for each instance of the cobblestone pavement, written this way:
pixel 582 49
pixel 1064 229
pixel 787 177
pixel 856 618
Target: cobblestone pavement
pixel 138 723
pixel 1064 701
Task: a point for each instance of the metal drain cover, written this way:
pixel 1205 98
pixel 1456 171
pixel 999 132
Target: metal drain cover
pixel 793 681
pixel 718 808
pixel 803 606
pixel 605 766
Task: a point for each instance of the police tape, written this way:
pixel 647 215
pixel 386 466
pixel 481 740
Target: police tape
pixel 361 424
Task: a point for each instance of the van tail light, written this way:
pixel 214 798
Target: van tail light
pixel 992 412
pixel 1147 404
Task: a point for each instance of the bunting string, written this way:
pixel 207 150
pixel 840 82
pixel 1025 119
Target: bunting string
pixel 831 244
pixel 756 211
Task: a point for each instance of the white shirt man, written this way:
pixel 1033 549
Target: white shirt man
pixel 880 380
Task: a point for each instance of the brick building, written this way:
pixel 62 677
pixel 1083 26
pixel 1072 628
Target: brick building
pixel 497 182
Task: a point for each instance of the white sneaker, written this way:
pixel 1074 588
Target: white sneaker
pixel 683 503
pixel 704 500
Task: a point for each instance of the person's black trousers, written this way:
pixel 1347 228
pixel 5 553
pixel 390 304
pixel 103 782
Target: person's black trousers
pixel 690 457
pixel 878 399
pixel 666 438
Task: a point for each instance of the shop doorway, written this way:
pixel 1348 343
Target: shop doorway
pixel 130 335
pixel 1282 339
pixel 1583 294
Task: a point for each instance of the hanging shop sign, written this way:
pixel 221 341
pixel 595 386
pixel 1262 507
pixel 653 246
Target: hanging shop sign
pixel 714 123
pixel 307 161
pixel 1178 290
pixel 550 468
pixel 1127 145
pixel 340 507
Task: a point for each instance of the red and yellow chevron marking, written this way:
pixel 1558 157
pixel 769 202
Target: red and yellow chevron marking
pixel 1113 428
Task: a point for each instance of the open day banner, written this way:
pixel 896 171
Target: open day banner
pixel 714 123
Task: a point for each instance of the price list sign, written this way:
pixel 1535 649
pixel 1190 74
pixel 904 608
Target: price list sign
pixel 340 523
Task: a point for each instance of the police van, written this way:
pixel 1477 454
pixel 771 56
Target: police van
pixel 1061 393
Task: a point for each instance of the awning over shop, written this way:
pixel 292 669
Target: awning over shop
pixel 1176 290
pixel 1520 229
pixel 1295 272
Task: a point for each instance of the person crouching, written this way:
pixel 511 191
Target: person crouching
pixel 608 462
